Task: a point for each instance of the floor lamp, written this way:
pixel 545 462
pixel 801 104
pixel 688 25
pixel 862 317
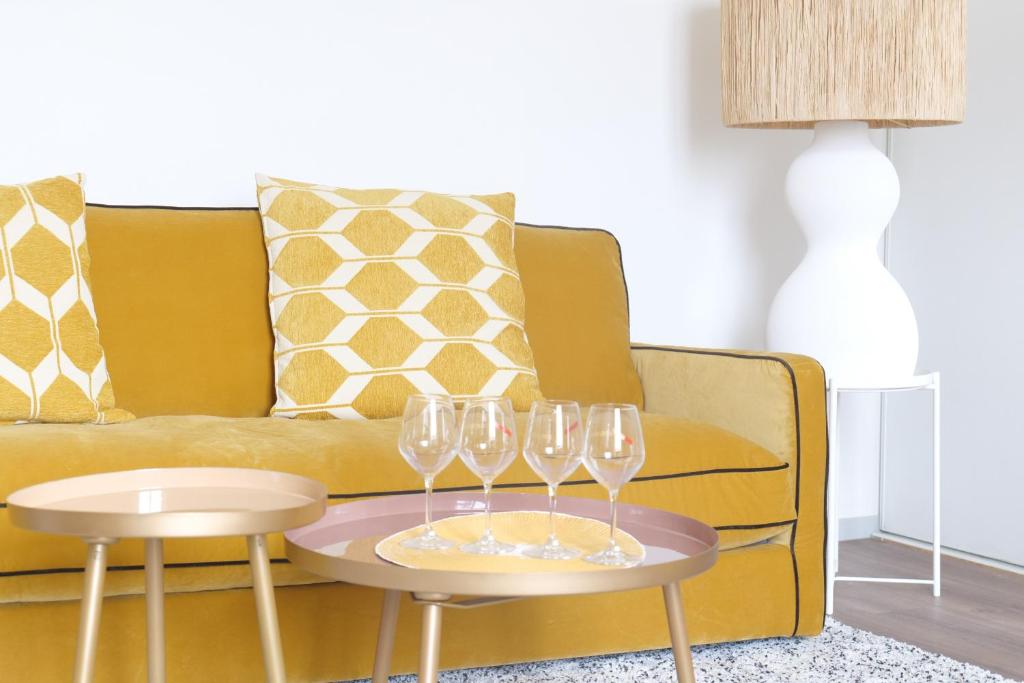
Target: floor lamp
pixel 842 67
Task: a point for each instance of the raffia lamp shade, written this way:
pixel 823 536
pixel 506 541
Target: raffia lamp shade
pixel 892 63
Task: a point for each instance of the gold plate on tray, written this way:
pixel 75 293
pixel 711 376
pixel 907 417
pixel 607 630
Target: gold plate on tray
pixel 519 528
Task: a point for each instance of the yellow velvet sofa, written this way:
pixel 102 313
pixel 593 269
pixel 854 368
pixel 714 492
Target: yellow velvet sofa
pixel 734 438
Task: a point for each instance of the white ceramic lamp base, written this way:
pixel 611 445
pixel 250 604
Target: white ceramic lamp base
pixel 841 305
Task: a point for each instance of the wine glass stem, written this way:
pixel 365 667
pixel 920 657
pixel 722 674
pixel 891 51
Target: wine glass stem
pixel 552 505
pixel 428 485
pixel 613 497
pixel 487 508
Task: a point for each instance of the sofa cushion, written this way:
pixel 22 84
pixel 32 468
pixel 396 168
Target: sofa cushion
pixel 52 367
pixel 691 468
pixel 377 295
pixel 182 294
pixel 577 314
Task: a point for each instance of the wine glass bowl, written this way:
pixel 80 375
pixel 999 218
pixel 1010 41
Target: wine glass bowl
pixel 487 444
pixel 553 448
pixel 613 453
pixel 428 442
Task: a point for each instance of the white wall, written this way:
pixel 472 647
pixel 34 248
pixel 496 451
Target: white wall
pixel 958 240
pixel 601 113
pixel 595 112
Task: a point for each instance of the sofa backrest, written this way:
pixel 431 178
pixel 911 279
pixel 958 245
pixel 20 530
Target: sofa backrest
pixel 181 299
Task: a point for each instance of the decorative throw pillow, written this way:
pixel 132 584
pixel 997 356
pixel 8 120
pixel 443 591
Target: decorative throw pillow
pixel 378 294
pixel 52 367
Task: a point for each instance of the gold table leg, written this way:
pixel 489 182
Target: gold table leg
pixel 677 627
pixel 155 656
pixel 263 589
pixel 430 636
pixel 386 636
pixel 92 605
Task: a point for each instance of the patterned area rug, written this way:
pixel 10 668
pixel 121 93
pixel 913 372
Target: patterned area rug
pixel 840 653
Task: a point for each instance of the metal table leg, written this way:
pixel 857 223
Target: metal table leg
pixel 386 636
pixel 263 589
pixel 430 635
pixel 155 653
pixel 92 605
pixel 677 628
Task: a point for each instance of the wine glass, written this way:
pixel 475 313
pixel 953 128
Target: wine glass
pixel 428 443
pixel 613 452
pixel 553 448
pixel 487 444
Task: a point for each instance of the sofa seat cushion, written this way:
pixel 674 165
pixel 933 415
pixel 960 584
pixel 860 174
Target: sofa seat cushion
pixel 691 468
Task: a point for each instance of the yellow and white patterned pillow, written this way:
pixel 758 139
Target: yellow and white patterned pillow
pixel 378 294
pixel 52 367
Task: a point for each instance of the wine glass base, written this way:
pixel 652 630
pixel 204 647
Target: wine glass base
pixel 614 557
pixel 551 552
pixel 427 541
pixel 488 546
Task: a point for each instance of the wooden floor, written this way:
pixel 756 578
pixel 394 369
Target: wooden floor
pixel 979 618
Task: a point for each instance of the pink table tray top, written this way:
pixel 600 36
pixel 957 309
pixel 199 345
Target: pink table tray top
pixel 341 546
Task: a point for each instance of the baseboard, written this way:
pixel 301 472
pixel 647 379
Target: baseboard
pixel 853 528
pixel 951 552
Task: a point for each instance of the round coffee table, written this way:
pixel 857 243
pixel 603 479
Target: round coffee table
pixel 176 502
pixel 341 546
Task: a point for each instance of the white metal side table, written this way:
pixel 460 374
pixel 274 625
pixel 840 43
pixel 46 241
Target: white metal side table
pixel 930 382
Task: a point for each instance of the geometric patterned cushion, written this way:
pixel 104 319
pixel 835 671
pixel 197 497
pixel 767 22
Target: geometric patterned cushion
pixel 379 294
pixel 52 367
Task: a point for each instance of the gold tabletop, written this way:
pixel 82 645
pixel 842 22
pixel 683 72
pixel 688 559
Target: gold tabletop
pixel 170 502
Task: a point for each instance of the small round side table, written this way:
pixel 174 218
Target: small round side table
pixel 341 545
pixel 176 502
pixel 928 382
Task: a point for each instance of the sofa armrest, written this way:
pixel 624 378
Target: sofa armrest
pixel 757 395
pixel 776 400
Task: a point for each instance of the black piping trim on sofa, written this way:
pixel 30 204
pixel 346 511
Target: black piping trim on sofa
pixel 135 567
pixel 796 420
pixel 828 464
pixel 377 494
pixel 766 525
pixel 278 560
pixel 571 482
pixel 172 208
pixel 618 245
